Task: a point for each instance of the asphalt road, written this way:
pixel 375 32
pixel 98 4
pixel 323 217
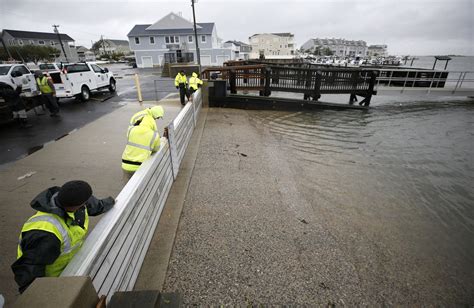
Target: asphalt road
pixel 17 143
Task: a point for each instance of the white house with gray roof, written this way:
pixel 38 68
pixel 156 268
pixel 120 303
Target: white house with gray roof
pixel 171 39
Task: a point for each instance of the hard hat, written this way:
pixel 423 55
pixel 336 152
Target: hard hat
pixel 157 112
pixel 38 74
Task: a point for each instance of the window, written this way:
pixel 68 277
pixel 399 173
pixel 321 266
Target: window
pixel 77 68
pixel 152 40
pixel 51 43
pixel 46 67
pixel 20 42
pixel 32 42
pixel 40 42
pixel 21 69
pixel 96 69
pixel 190 38
pixel 172 39
pixel 203 38
pixel 137 40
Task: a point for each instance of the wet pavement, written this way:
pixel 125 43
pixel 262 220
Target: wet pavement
pixel 17 143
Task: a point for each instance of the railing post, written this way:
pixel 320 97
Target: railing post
pixel 267 90
pixel 370 91
pixel 173 150
pixel 233 82
pixel 317 86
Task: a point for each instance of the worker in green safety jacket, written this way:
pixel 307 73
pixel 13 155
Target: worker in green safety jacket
pixel 194 84
pixel 50 238
pixel 156 112
pixel 181 83
pixel 48 93
pixel 143 138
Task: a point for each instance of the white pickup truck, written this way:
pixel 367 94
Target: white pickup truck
pixel 79 79
pixel 13 75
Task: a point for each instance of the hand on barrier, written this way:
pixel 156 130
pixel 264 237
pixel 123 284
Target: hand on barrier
pixel 165 133
pixel 108 203
pixel 177 87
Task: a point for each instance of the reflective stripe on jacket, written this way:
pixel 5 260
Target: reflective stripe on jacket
pixel 71 237
pixel 142 141
pixel 180 79
pixel 194 82
pixel 43 85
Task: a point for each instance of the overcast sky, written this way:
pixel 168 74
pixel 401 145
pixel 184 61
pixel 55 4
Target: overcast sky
pixel 408 27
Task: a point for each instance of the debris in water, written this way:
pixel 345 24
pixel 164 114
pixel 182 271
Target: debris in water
pixel 303 221
pixel 242 154
pixel 26 175
pixel 324 286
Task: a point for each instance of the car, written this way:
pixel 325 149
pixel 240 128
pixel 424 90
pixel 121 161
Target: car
pixel 13 75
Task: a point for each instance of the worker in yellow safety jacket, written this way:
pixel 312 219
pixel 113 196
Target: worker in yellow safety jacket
pixel 181 83
pixel 48 93
pixel 143 138
pixel 50 238
pixel 194 84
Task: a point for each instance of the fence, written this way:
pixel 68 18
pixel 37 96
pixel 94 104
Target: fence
pixel 114 251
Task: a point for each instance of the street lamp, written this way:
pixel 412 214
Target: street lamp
pixel 196 36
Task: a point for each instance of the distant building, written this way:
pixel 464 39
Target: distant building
pixel 85 54
pixel 172 39
pixel 339 47
pixel 23 38
pixel 377 51
pixel 240 50
pixel 109 47
pixel 272 44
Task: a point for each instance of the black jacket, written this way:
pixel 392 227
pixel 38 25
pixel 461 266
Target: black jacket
pixel 41 248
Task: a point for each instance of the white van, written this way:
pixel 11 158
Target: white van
pixel 79 79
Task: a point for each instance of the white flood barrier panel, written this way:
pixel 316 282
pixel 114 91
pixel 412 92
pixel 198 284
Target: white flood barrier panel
pixel 113 253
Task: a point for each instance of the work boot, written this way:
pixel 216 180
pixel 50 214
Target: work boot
pixel 54 115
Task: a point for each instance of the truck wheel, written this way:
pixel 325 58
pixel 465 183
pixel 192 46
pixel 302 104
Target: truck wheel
pixel 112 86
pixel 85 94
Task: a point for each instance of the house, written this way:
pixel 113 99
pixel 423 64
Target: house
pixel 274 44
pixel 240 50
pixel 23 38
pixel 339 47
pixel 85 54
pixel 110 47
pixel 377 51
pixel 172 39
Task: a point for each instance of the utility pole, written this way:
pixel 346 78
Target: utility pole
pixel 60 41
pixel 198 55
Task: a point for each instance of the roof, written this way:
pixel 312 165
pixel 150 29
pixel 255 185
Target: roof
pixel 37 35
pixel 279 34
pixel 118 42
pixel 172 21
pixel 141 30
pixel 238 43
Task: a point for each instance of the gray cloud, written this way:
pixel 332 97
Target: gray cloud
pixel 407 26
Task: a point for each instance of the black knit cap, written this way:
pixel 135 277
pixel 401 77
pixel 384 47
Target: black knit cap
pixel 74 193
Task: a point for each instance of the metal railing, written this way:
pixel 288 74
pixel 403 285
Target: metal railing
pixel 451 81
pixel 114 251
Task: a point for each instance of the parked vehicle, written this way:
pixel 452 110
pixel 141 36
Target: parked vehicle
pixel 79 79
pixel 14 75
pixel 11 76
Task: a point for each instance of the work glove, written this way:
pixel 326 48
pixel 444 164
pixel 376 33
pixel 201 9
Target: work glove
pixel 165 133
pixel 108 203
pixel 177 87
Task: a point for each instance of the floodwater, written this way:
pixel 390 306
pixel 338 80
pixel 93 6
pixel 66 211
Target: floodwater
pixel 399 177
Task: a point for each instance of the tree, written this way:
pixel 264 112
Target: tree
pixel 326 51
pixel 30 53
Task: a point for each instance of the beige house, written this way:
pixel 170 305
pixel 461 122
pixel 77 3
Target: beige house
pixel 272 44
